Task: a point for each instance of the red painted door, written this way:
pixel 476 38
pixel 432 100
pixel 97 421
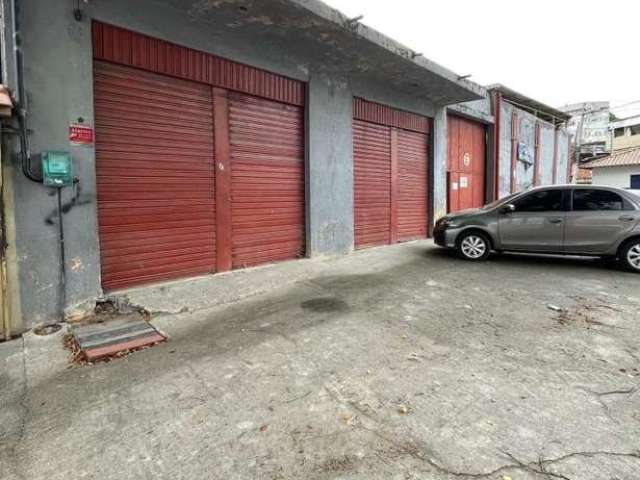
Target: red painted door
pixel 372 184
pixel 267 180
pixel 466 165
pixel 155 176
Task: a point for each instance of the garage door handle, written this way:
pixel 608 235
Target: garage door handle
pixel 626 219
pixel 555 220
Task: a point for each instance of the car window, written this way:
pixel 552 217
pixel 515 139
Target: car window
pixel 593 199
pixel 540 201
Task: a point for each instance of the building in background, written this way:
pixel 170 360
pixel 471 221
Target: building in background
pixel 588 128
pixel 625 133
pixel 620 169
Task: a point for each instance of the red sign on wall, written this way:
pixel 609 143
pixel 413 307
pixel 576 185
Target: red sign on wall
pixel 80 134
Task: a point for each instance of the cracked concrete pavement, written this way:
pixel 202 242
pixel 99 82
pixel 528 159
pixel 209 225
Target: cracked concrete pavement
pixel 400 362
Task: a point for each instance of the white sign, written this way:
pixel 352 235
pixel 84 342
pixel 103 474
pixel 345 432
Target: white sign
pixel 454 186
pixel 464 182
pixel 466 159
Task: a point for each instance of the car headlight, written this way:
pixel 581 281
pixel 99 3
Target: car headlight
pixel 449 223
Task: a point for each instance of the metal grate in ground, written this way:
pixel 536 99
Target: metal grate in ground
pixel 109 338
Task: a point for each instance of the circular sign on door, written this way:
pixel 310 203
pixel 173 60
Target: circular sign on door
pixel 466 159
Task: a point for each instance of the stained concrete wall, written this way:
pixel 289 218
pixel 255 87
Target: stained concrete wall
pixel 562 175
pixel 57 66
pixel 329 166
pixel 480 110
pixel 58 77
pixel 439 173
pixel 504 158
pixel 547 146
pixel 525 172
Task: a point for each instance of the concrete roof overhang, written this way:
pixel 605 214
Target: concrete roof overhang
pixel 325 40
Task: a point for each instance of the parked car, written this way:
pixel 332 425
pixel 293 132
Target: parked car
pixel 561 219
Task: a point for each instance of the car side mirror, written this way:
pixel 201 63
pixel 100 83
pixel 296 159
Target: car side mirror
pixel 508 208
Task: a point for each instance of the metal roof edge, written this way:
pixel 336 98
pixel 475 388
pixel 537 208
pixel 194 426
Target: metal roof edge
pixel 609 160
pixel 517 97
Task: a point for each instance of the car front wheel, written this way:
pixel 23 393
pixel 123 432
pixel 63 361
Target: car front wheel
pixel 630 255
pixel 474 246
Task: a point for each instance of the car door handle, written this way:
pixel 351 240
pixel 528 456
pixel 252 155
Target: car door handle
pixel 626 219
pixel 555 220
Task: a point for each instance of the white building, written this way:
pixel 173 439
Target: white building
pixel 620 169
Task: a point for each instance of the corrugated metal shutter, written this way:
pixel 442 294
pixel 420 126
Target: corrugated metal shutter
pixel 268 182
pixel 155 176
pixel 372 184
pixel 412 185
pixel 466 163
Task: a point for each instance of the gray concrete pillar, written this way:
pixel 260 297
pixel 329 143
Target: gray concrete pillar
pixel 439 183
pixel 59 86
pixel 329 167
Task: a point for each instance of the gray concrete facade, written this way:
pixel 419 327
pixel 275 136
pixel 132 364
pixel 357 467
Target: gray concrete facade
pixel 524 175
pixel 329 167
pixel 59 89
pixel 439 172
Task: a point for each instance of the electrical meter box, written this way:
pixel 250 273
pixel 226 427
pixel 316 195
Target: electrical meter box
pixel 57 169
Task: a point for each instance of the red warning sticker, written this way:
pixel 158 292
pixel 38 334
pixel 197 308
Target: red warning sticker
pixel 80 134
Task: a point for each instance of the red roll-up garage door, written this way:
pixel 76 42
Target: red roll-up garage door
pixel 390 154
pixel 372 184
pixel 267 169
pixel 412 185
pixel 199 161
pixel 466 163
pixel 155 176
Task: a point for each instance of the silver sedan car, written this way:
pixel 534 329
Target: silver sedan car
pixel 561 219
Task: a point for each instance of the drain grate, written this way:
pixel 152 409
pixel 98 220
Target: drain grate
pixel 128 332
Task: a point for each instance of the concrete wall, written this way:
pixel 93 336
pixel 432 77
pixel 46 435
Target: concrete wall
pixel 562 175
pixel 58 77
pixel 480 110
pixel 525 174
pixel 615 176
pixel 547 146
pixel 329 166
pixel 58 92
pixel 504 158
pixel 439 173
pixel 525 170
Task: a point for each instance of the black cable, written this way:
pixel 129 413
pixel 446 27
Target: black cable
pixel 25 151
pixel 63 268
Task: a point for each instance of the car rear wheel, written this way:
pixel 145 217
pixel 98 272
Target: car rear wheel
pixel 474 246
pixel 630 255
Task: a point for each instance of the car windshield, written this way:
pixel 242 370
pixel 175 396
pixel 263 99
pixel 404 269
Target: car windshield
pixel 495 203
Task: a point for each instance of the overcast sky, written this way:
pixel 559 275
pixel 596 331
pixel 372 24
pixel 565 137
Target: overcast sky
pixel 556 51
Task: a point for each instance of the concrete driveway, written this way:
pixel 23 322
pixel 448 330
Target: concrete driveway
pixel 400 362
